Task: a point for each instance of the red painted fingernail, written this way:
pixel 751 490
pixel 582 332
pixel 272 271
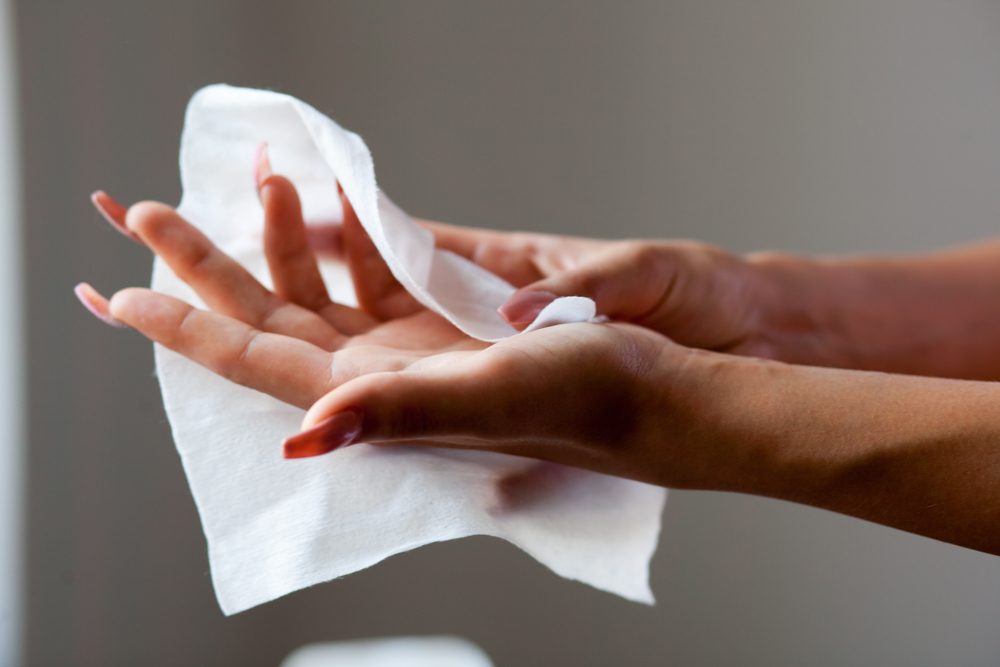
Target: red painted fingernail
pixel 97 305
pixel 340 430
pixel 261 166
pixel 523 306
pixel 113 212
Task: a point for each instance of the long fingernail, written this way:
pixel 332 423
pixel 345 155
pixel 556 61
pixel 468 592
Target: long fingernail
pixel 523 306
pixel 339 430
pixel 261 166
pixel 114 213
pixel 97 305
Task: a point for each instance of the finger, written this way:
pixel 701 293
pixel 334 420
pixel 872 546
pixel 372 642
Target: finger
pixel 290 258
pixel 450 407
pixel 293 266
pixel 407 405
pixel 627 282
pixel 464 241
pixel 509 255
pixel 328 238
pixel 378 291
pixel 289 369
pixel 222 282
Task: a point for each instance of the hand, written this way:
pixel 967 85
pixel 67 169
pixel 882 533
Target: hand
pixel 295 343
pixel 698 295
pixel 574 394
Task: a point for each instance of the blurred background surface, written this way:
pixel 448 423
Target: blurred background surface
pixel 815 127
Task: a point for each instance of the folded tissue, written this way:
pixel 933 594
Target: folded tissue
pixel 275 526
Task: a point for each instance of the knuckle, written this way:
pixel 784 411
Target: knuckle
pixel 234 366
pixel 524 242
pixel 178 334
pixel 268 319
pixel 644 256
pixel 488 254
pixel 199 257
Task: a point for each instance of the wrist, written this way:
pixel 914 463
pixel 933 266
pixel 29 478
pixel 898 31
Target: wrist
pixel 713 423
pixel 743 424
pixel 804 309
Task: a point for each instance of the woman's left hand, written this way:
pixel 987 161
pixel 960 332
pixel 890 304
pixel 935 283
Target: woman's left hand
pixel 581 394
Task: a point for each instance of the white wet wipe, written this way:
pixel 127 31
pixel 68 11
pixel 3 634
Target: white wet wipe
pixel 275 526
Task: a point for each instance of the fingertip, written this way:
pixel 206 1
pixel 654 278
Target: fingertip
pixel 121 301
pixel 277 193
pixel 271 187
pixel 145 218
pixel 134 305
pixel 524 305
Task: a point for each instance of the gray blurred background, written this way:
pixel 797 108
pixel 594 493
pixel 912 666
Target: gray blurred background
pixel 817 127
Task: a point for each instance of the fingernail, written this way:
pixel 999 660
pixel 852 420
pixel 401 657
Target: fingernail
pixel 97 305
pixel 261 166
pixel 523 306
pixel 340 430
pixel 114 213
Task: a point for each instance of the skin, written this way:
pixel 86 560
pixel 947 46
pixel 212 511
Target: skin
pixel 622 397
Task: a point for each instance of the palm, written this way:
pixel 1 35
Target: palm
pixel 559 394
pixel 293 342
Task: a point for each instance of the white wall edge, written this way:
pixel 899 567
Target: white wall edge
pixel 12 385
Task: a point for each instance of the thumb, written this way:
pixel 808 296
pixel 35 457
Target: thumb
pixel 626 282
pixel 399 406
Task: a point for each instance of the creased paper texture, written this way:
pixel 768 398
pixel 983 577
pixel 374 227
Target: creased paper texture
pixel 275 526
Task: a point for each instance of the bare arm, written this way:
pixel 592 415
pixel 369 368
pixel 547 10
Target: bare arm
pixel 919 454
pixel 936 314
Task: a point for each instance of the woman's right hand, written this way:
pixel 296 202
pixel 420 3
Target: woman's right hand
pixel 699 295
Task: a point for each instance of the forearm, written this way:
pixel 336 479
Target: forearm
pixel 919 454
pixel 934 315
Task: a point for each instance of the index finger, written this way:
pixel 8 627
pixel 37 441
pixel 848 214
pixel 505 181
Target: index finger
pixel 290 369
